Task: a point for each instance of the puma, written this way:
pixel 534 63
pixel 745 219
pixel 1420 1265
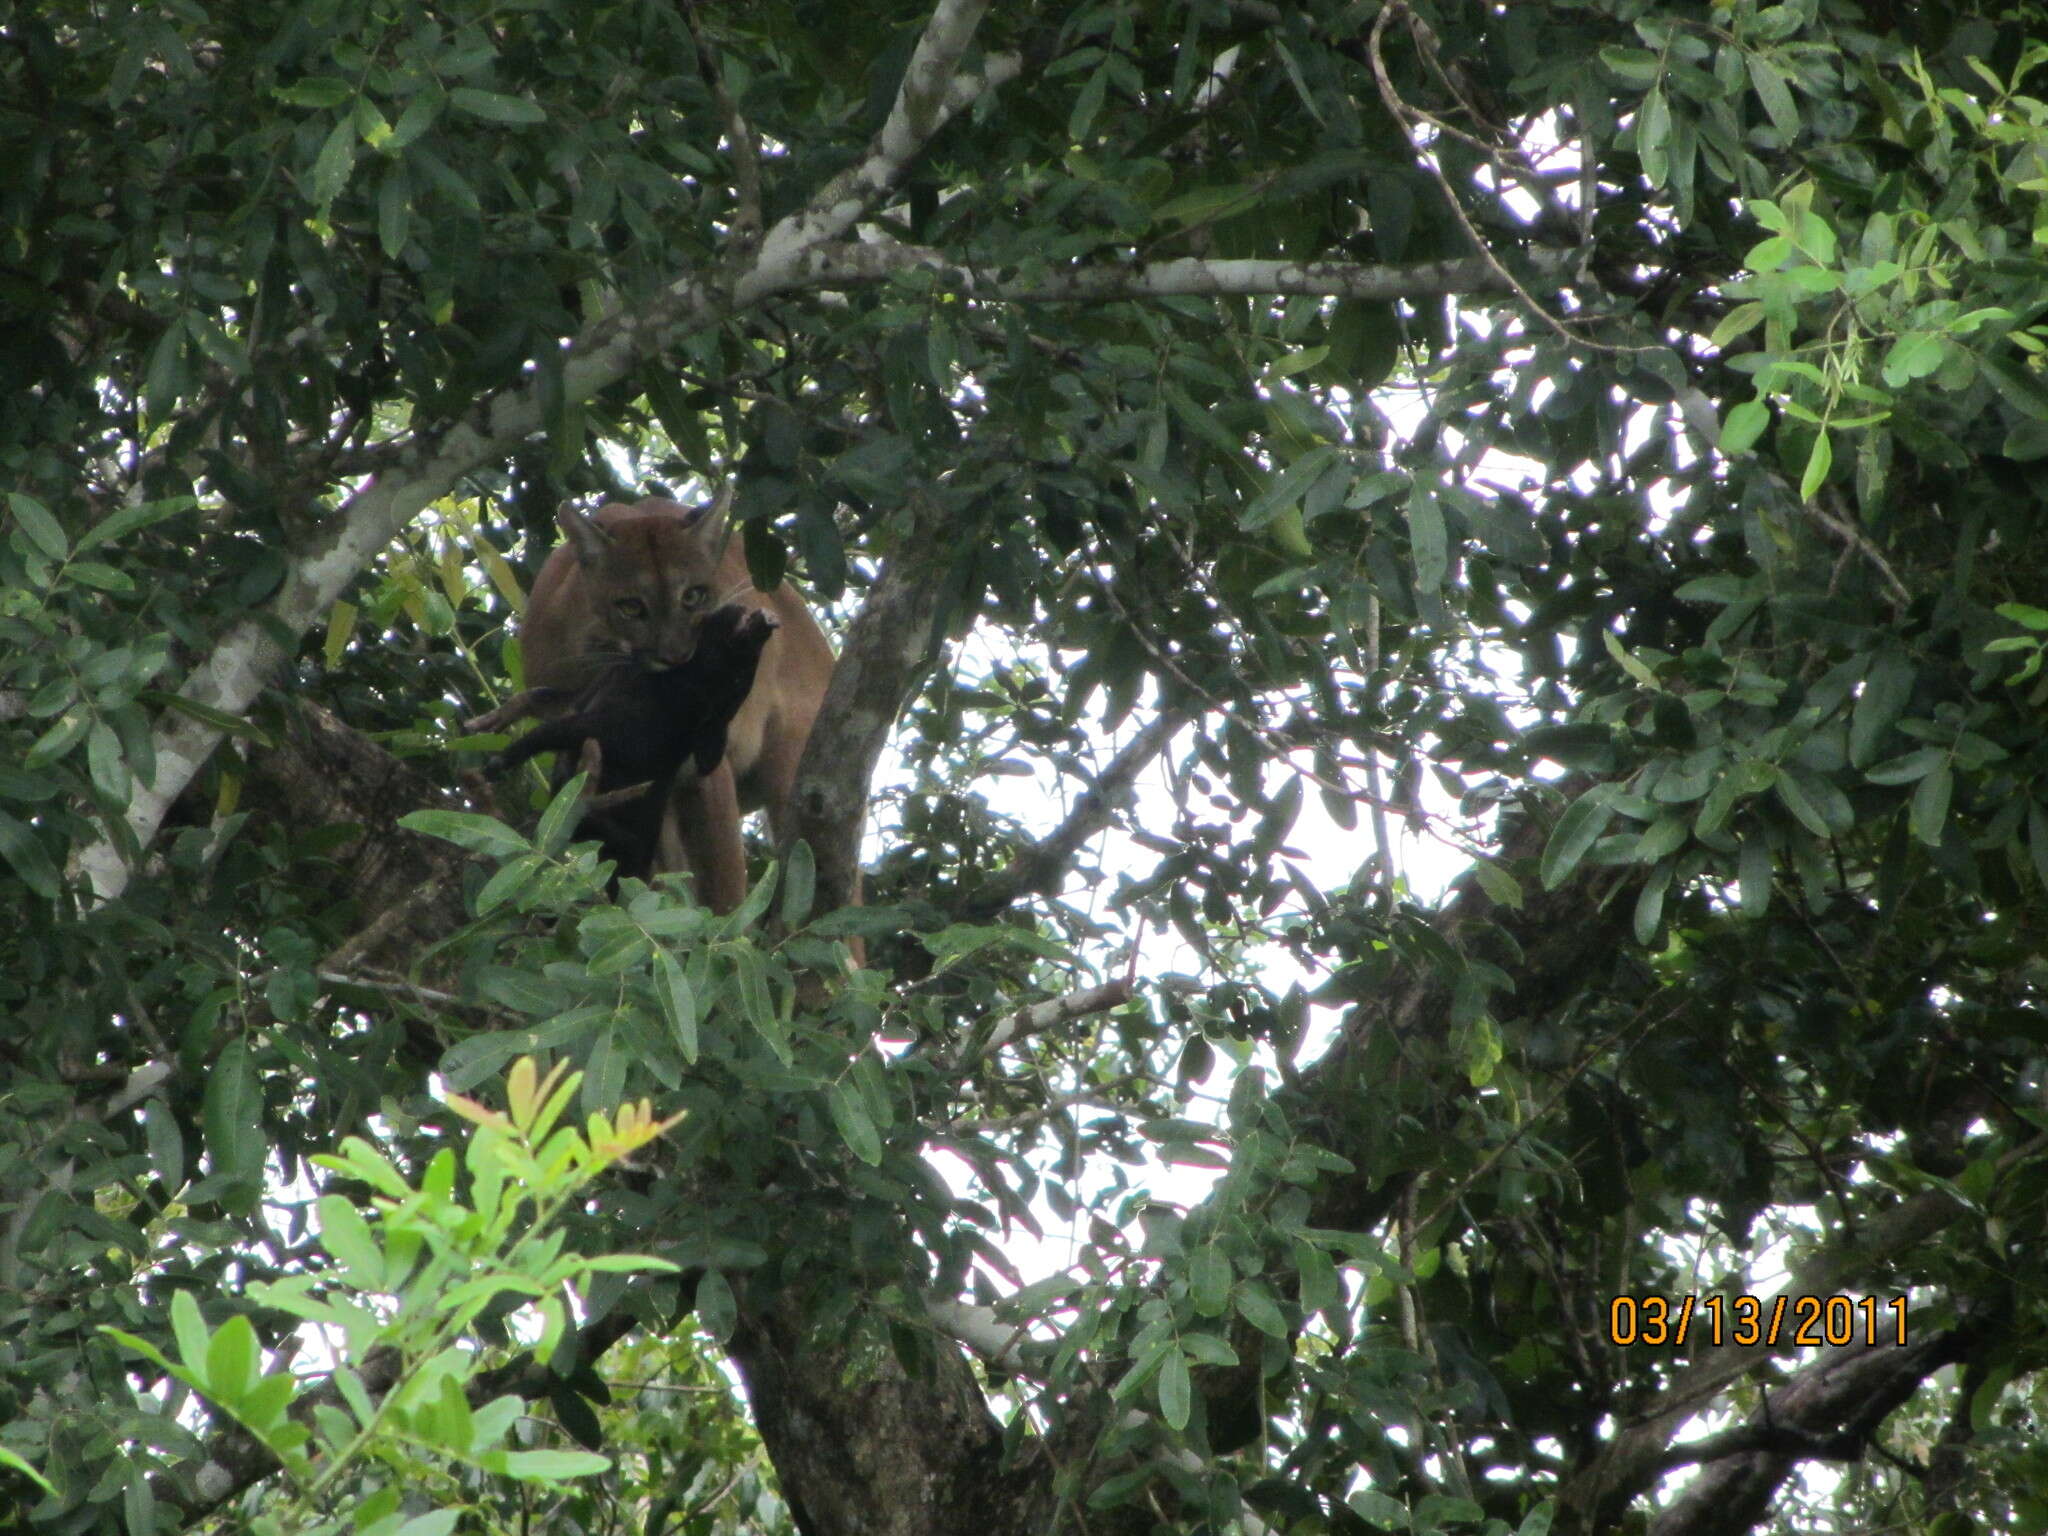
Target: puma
pixel 638 580
pixel 639 729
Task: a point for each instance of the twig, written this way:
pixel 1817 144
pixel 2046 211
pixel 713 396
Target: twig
pixel 746 153
pixel 1040 1017
pixel 1408 115
pixel 1037 870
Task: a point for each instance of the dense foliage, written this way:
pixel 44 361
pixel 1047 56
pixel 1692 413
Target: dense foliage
pixel 1590 437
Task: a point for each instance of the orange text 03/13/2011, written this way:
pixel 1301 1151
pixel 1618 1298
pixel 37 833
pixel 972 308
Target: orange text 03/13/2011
pixel 1656 1322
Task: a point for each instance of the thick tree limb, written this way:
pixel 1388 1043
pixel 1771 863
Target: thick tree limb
pixel 1631 1463
pixel 887 648
pixel 848 264
pixel 927 99
pixel 1334 279
pixel 1830 1409
pixel 863 1446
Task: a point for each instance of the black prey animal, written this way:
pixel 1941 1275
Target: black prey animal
pixel 646 725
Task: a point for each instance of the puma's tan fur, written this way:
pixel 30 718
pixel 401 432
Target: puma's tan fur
pixel 639 579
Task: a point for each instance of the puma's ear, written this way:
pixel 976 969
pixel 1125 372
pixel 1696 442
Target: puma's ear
pixel 707 524
pixel 586 536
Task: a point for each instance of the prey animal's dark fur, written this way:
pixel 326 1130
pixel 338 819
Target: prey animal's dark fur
pixel 647 724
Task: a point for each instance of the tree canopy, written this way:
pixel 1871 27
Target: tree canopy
pixel 1236 445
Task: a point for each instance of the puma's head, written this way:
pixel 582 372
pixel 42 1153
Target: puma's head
pixel 650 575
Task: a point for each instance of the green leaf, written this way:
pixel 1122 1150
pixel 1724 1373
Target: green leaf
pixel 394 210
pixel 1914 355
pixel 43 530
pixel 15 1463
pixel 1499 885
pixel 232 1114
pixel 1429 540
pixel 1575 833
pixel 2025 615
pixel 190 1330
pixel 231 1361
pixel 1795 800
pixel 1929 811
pixel 27 857
pixel 493 107
pixel 749 911
pixel 108 770
pixel 1653 135
pixel 57 742
pixel 334 164
pixel 349 1242
pixel 522 990
pixel 1377 1510
pixel 1207 1349
pixel 1174 1390
pixel 1316 1274
pixel 1818 462
pixel 468 1062
pixel 465 829
pixel 1633 66
pixel 678 1003
pixel 1746 423
pixel 850 1115
pixel 1769 83
pixel 91 573
pixel 206 714
pixel 508 882
pixel 717 1310
pixel 1209 1279
pixel 1908 767
pixel 1649 909
pixel 314 91
pixel 799 884
pixel 558 821
pixel 166 1144
pixel 130 519
pixel 1753 877
pixel 1255 1304
pixel 1886 689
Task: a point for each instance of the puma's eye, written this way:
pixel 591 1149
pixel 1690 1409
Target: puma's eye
pixel 630 608
pixel 694 597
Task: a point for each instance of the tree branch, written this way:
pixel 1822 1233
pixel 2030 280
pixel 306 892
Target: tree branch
pixel 1829 1410
pixel 1333 279
pixel 1039 869
pixel 847 264
pixel 1039 1017
pixel 1630 1464
pixel 887 648
pixel 926 100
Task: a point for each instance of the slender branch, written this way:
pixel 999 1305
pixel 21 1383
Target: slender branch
pixel 1405 114
pixel 1038 870
pixel 1039 1017
pixel 746 151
